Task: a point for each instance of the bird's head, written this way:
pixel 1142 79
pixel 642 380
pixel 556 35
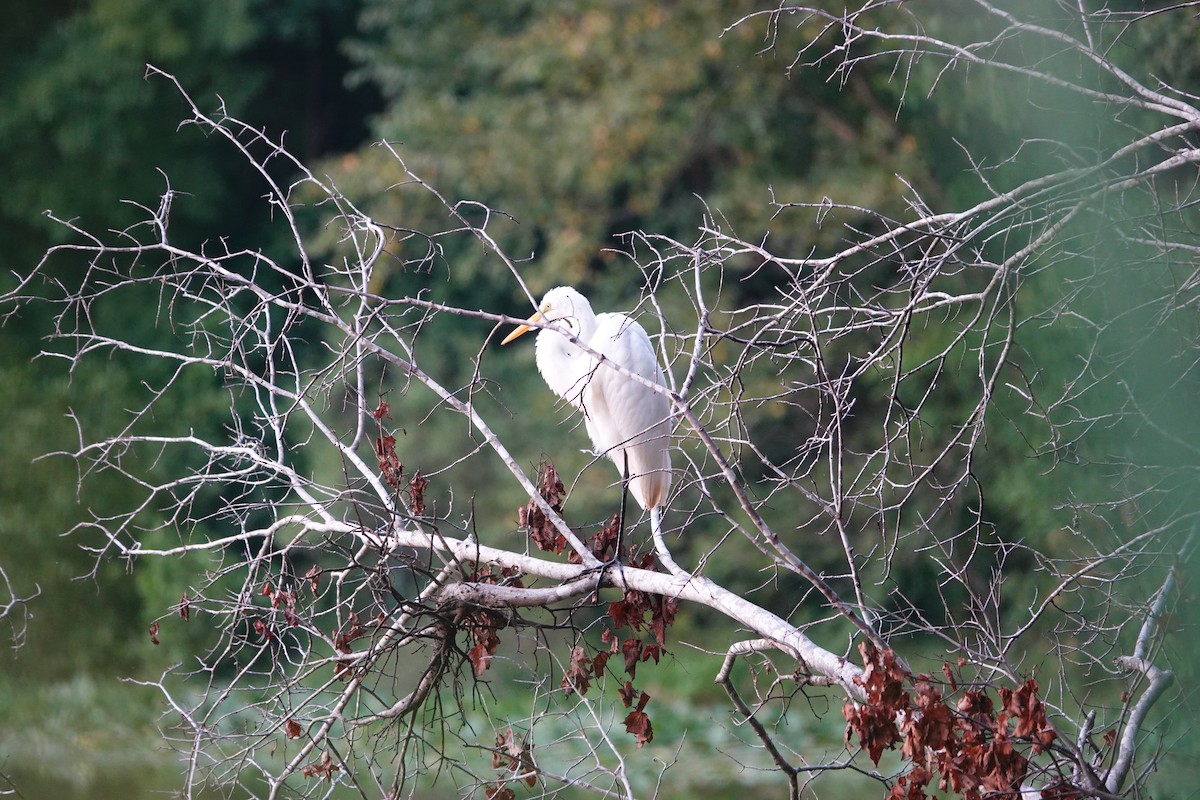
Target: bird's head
pixel 563 305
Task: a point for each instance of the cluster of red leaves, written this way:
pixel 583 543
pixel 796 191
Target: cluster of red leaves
pixel 605 543
pixel 972 746
pixel 321 769
pixel 284 600
pixel 531 517
pixel 638 611
pixel 513 759
pixel 390 466
pixel 483 624
pixel 630 612
pixel 875 720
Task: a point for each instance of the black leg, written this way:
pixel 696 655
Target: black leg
pixel 616 559
pixel 621 519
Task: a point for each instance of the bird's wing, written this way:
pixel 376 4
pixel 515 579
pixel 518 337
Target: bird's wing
pixel 625 417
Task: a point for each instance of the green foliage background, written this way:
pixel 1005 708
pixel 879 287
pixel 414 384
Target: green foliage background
pixel 582 121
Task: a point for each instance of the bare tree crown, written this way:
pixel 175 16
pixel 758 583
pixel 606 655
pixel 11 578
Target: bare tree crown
pixel 837 418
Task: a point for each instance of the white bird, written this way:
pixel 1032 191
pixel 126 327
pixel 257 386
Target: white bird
pixel 626 419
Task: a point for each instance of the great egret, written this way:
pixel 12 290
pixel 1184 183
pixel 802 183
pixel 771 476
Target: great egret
pixel 627 420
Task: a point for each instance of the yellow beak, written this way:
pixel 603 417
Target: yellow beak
pixel 521 330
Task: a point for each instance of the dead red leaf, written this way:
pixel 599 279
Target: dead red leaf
pixel 578 675
pixel 416 493
pixel 604 544
pixel 638 723
pixel 154 633
pixel 389 463
pixel 352 630
pixel 600 662
pixel 483 626
pixel 514 754
pixel 324 768
pixel 632 650
pixel 949 677
pixel 663 617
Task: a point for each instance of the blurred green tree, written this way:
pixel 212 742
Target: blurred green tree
pixel 87 129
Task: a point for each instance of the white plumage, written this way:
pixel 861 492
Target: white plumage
pixel 625 418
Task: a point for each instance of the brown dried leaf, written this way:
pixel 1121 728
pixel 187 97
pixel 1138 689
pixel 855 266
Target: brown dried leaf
pixel 599 662
pixel 663 617
pixel 389 463
pixel 416 493
pixel 949 677
pixel 639 725
pixel 632 650
pixel 515 754
pixel 321 769
pixel 579 671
